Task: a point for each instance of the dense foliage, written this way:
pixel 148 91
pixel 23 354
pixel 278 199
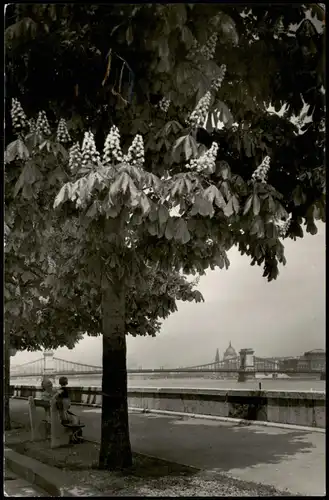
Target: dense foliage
pixel 173 191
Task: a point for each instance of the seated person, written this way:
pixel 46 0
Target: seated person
pixel 47 388
pixel 63 392
pixel 47 393
pixel 63 404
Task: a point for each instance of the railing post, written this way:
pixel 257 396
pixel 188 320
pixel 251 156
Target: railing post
pixel 242 369
pixel 246 364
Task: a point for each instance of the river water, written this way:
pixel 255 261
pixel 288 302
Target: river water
pixel 283 384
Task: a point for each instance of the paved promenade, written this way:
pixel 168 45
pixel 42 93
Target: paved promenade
pixel 283 458
pixel 15 486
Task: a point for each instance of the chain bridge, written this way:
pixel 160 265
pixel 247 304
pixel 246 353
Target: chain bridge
pixel 244 362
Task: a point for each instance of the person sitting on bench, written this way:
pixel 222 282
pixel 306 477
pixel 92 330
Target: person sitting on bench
pixel 47 393
pixel 47 388
pixel 68 418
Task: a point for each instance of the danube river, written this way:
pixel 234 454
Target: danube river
pixel 282 384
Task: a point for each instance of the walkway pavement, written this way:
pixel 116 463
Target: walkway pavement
pixel 282 458
pixel 15 486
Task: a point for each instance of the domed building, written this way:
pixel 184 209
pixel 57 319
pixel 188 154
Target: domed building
pixel 230 353
pixel 230 358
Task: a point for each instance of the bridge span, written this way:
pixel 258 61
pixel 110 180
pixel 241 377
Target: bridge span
pixel 244 365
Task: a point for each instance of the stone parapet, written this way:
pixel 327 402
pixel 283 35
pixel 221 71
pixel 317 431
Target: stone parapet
pixel 286 407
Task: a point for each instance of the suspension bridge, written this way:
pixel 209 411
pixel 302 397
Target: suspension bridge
pixel 244 362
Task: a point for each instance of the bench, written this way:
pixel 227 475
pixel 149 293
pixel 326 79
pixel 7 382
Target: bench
pixel 60 433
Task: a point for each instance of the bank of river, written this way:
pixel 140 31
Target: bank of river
pixel 291 384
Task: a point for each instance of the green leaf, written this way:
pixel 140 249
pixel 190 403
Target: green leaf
pixel 93 209
pixel 58 148
pixel 23 152
pixel 177 187
pixel 219 260
pixel 187 36
pixel 163 214
pixel 194 146
pixel 179 141
pixel 210 193
pixel 120 184
pixel 224 169
pixel 129 35
pixel 236 205
pixel 152 228
pixel 181 231
pixel 175 126
pixel 247 205
pixel 29 175
pixel 11 151
pixel 247 145
pixel 257 227
pixel 202 206
pixel 19 185
pixel 187 148
pixel 153 214
pixel 219 200
pixel 223 113
pixel 27 276
pixel 225 190
pixel 27 192
pixel 281 213
pixel 163 48
pixel 170 229
pixel 136 219
pixel 256 204
pixel 271 205
pixel 112 210
pixel 63 195
pixel 184 72
pixel 145 204
pixel 229 209
pixel 311 228
pixel 271 231
pixel 299 196
pixel 188 185
pixel 213 194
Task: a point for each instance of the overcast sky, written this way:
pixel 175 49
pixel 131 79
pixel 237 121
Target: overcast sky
pixel 283 318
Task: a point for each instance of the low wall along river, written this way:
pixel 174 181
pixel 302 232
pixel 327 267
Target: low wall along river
pixel 280 407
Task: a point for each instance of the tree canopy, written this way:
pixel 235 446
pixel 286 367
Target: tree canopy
pixel 172 191
pixel 52 48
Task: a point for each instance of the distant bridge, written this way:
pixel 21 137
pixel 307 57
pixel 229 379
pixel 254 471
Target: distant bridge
pixel 53 366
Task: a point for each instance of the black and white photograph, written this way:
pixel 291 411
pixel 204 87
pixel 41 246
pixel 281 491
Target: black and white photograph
pixel 164 249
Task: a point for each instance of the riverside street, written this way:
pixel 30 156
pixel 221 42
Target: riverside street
pixel 287 459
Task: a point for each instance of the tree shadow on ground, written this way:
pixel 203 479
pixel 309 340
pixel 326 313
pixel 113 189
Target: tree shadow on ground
pixel 84 457
pixel 208 444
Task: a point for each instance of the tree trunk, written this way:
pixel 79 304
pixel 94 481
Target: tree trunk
pixel 6 376
pixel 115 452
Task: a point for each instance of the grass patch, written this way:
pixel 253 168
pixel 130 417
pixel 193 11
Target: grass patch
pixel 149 476
pixel 81 463
pixel 85 457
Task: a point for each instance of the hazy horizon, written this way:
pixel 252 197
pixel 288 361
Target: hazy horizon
pixel 281 318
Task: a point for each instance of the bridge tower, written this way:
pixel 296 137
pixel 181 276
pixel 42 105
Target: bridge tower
pixel 247 361
pixel 48 364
